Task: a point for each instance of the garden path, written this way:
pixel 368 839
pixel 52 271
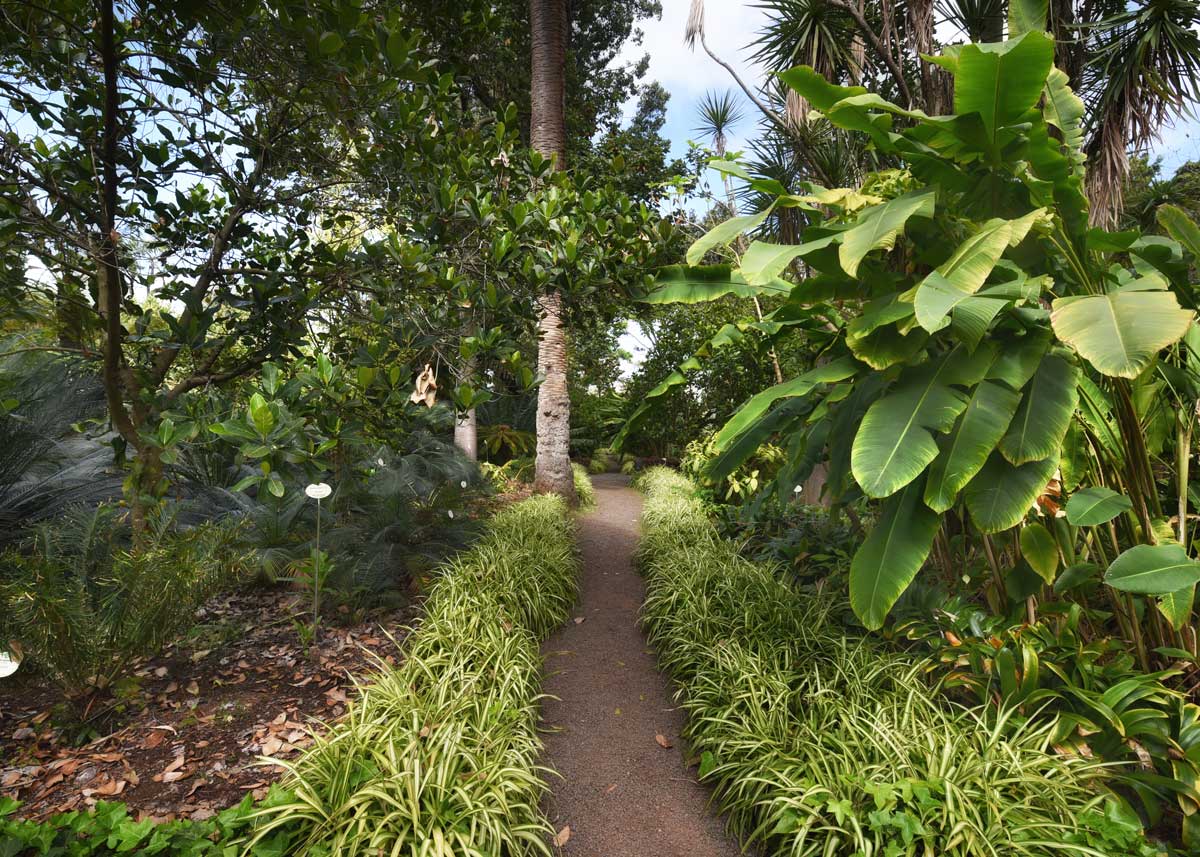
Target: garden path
pixel 621 792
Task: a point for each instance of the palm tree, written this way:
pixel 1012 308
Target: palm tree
pixel 718 114
pixel 1142 70
pixel 548 135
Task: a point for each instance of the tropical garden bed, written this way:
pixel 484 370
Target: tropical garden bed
pixel 192 727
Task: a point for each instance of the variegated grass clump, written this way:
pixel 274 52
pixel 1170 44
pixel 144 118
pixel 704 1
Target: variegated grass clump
pixel 583 487
pixel 819 743
pixel 440 755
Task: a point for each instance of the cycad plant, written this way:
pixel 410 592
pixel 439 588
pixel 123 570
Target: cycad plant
pixel 83 606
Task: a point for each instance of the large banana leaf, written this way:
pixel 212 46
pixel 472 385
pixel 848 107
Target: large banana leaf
pixel 1027 15
pixel 965 272
pixel 763 263
pixel 1180 227
pixel 1121 332
pixel 975 435
pixel 723 233
pixel 1064 110
pixel 1037 430
pixel 748 442
pixel 895 443
pixel 801 385
pixel 683 284
pixel 1002 81
pixel 878 226
pixel 892 554
pixel 1001 494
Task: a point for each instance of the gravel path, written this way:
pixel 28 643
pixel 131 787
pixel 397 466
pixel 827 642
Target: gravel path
pixel 621 793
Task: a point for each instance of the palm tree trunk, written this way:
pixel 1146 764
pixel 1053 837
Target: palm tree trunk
pixel 548 135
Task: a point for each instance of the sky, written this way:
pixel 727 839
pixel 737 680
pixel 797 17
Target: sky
pixel 730 26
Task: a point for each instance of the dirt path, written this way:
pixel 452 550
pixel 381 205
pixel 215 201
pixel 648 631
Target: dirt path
pixel 622 794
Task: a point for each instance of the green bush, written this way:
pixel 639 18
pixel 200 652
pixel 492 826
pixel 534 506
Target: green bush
pixel 442 752
pixel 108 830
pixel 83 606
pixel 823 744
pixel 583 487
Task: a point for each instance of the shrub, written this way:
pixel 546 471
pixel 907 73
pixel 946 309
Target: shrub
pixel 442 752
pixel 107 830
pixel 583 487
pixel 83 606
pixel 822 744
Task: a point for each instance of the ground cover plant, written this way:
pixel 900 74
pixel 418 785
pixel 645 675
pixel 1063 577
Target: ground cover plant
pixel 822 743
pixel 439 752
pixel 440 755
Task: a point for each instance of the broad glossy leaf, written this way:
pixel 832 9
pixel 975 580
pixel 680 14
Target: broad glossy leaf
pixel 975 435
pixel 891 556
pixel 965 272
pixel 894 443
pixel 801 385
pixel 1064 110
pixel 1076 575
pixel 1121 332
pixel 1026 16
pixel 878 226
pixel 682 284
pixel 737 451
pixel 1177 606
pixel 723 233
pixel 763 263
pixel 1049 399
pixel 1096 505
pixel 1002 81
pixel 1040 550
pixel 1180 227
pixel 1020 358
pixel 1000 495
pixel 818 91
pixel 1153 570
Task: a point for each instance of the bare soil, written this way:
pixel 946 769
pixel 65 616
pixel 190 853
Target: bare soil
pixel 627 787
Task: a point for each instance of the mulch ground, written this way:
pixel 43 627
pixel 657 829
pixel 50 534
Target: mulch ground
pixel 199 726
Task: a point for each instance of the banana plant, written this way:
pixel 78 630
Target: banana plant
pixel 976 327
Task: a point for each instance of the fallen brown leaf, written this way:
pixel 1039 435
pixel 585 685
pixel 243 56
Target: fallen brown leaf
pixel 560 838
pixel 663 742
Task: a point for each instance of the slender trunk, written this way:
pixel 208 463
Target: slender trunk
pixel 466 436
pixel 553 471
pixel 548 135
pixel 118 381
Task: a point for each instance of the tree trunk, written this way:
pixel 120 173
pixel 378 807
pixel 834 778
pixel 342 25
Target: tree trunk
pixel 548 135
pixel 466 437
pixel 553 471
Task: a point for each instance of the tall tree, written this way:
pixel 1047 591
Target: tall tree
pixel 548 135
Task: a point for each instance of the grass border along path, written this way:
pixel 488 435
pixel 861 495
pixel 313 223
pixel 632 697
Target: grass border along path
pixel 818 743
pixel 439 756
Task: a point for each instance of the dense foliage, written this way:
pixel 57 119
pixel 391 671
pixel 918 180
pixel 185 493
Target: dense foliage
pixel 820 743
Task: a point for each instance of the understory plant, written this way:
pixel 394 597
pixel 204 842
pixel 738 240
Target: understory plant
pixel 819 743
pixel 84 606
pixel 440 755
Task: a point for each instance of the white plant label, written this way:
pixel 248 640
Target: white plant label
pixel 318 490
pixel 8 664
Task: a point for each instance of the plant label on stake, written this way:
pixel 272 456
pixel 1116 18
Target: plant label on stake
pixel 317 491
